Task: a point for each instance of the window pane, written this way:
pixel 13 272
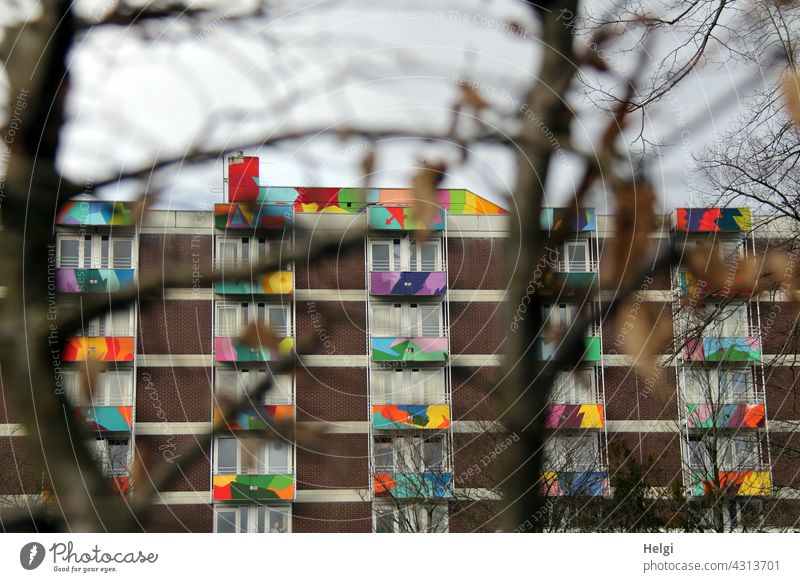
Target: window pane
pixel 105 262
pixel 433 454
pixel 243 514
pixel 118 458
pixel 279 520
pixel 384 521
pixel 396 255
pixel 576 256
pixel 384 456
pixel 380 257
pixel 278 320
pixel 261 519
pixel 226 455
pixel 430 254
pixel 69 253
pixel 429 320
pixel 227 320
pixel 226 521
pixel 434 386
pixel 117 388
pixel 228 252
pixel 278 456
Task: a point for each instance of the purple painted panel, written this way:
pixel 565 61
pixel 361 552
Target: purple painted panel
pixel 408 283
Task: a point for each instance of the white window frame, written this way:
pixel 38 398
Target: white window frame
pixel 578 386
pixel 248 249
pixel 90 251
pixel 246 312
pixel 408 453
pixel 101 451
pixel 406 319
pixel 103 325
pixel 405 254
pixel 409 386
pixel 700 382
pixel 740 452
pixel 569 266
pixel 262 464
pixel 236 382
pixel 101 394
pixel 250 513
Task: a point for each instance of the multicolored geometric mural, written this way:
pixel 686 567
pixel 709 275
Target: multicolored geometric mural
pixel 409 349
pixel 256 418
pixel 573 484
pixel 734 483
pixel 545 349
pixel 727 349
pixel 584 220
pixel 120 484
pixel 425 485
pixel 277 283
pixel 105 349
pixel 402 218
pixel 106 418
pixel 407 283
pixel 252 216
pixel 253 487
pixel 95 213
pixel 228 349
pixel 93 280
pixel 725 415
pixel 575 416
pixel 410 416
pixel 243 178
pixel 713 219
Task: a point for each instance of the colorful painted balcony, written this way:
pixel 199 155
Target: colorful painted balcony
pixel 580 220
pixel 727 349
pixel 575 416
pixel 733 483
pixel 712 220
pixel 257 418
pixel 230 349
pixel 733 416
pixel 93 280
pixel 95 213
pixel 409 283
pixel 425 485
pixel 104 349
pixel 278 487
pixel 545 349
pixel 252 217
pixel 276 283
pixel 575 484
pixel 396 217
pixel 410 416
pixel 409 349
pixel 120 484
pixel 106 418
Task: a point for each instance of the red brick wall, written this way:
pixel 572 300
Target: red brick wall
pixel 475 328
pixel 785 452
pixel 335 461
pixel 779 327
pixel 162 449
pixel 331 327
pixel 659 452
pixel 475 263
pixel 341 271
pixel 159 253
pixel 474 393
pixel 18 476
pixel 175 327
pixel 350 517
pixel 629 396
pixel 332 394
pixel 173 395
pixel 179 519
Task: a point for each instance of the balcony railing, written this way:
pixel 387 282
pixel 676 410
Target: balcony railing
pixel 575 416
pixel 575 483
pixel 409 283
pixel 253 487
pixel 723 349
pixel 733 416
pixel 413 266
pixel 423 485
pixel 745 483
pixel 410 416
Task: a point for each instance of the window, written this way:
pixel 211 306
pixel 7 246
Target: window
pixel 113 455
pixel 240 251
pixel 576 256
pixel 234 383
pixel 713 320
pixel 405 254
pixel 718 385
pixel 411 518
pixel 560 316
pixel 406 320
pixel 408 386
pixel 579 454
pixel 251 457
pixel 252 519
pixel 735 453
pixel 575 387
pixel 410 454
pixel 111 388
pixel 233 318
pixel 115 324
pixel 98 251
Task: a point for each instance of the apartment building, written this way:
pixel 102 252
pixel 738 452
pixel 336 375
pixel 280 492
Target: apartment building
pixel 400 336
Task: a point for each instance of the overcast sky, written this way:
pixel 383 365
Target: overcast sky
pixel 328 64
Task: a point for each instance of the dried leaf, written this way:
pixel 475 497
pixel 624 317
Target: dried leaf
pixel 141 460
pixel 647 332
pixel 781 273
pixel 705 264
pixel 471 97
pixel 250 451
pixel 636 219
pixel 791 93
pixel 258 335
pixel 88 379
pixel 424 199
